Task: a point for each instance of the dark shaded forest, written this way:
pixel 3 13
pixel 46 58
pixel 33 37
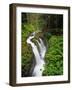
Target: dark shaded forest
pixel 50 28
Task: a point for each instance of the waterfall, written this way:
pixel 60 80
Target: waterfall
pixel 39 55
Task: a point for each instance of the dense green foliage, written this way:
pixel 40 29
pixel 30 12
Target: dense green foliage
pixel 54 56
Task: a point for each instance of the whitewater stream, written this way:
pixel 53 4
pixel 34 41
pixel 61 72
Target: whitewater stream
pixel 39 55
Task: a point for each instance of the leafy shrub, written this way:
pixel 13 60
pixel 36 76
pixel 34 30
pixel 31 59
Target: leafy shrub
pixel 54 56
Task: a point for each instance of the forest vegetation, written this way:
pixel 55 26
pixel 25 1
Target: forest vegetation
pixel 50 29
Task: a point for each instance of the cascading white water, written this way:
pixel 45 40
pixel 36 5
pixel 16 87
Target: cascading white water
pixel 39 55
